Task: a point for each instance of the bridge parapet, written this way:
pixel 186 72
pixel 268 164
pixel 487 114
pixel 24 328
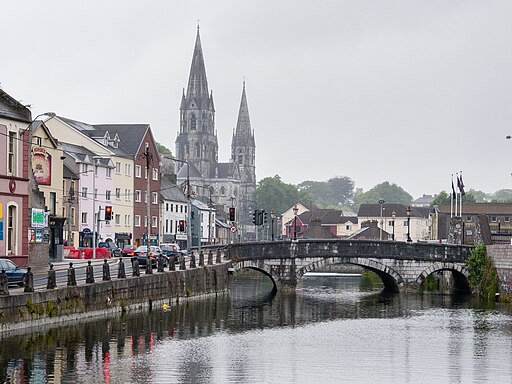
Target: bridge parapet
pixel 349 248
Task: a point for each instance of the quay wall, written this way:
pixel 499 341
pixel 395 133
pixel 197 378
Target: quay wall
pixel 103 298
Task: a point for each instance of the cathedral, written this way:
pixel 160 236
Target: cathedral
pixel 224 185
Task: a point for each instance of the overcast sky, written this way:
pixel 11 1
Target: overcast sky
pixel 402 91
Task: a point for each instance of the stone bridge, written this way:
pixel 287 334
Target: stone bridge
pixel 401 266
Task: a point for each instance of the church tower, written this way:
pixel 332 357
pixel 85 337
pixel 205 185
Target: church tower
pixel 243 153
pixel 197 139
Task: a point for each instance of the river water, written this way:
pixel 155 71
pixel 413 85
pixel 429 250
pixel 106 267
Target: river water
pixel 330 330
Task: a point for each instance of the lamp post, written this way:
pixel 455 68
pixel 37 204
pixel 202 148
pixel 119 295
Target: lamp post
pixel 409 210
pixel 189 232
pixel 272 217
pixel 295 211
pixel 381 201
pixel 393 216
pixel 95 219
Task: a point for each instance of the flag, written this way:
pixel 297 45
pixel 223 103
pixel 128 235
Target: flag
pixel 453 189
pixel 460 184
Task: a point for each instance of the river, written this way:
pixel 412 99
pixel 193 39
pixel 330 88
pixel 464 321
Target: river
pixel 330 330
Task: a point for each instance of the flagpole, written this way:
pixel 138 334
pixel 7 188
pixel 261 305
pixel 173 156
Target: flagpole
pixel 456 199
pixel 461 190
pixel 451 199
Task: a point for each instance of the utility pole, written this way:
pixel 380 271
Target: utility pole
pixel 148 230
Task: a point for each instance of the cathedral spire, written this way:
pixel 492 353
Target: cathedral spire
pixel 243 125
pixel 197 82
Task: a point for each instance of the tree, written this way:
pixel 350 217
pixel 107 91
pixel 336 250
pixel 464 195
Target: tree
pixel 272 193
pixel 444 197
pixel 482 274
pixel 342 188
pixel 390 193
pixel 502 196
pixel 329 194
pixel 163 150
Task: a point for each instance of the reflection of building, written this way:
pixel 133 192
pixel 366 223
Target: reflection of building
pixel 229 184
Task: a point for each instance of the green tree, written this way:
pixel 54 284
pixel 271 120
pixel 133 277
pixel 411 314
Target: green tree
pixel 342 189
pixel 480 197
pixel 390 193
pixel 502 196
pixel 163 150
pixel 482 275
pixel 444 197
pixel 273 193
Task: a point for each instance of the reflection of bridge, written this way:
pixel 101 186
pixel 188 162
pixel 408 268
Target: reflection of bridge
pixel 401 266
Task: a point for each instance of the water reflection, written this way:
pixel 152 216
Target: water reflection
pixel 243 336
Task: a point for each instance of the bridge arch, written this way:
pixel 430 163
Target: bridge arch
pixel 256 265
pixel 391 279
pixel 460 274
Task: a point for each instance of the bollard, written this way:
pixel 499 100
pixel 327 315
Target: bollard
pixel 89 273
pixel 121 274
pixel 160 263
pixel 201 258
pixel 182 262
pixel 218 260
pixel 172 263
pixel 192 260
pixel 71 276
pixel 106 271
pixel 4 284
pixel 210 257
pixel 52 278
pixel 149 266
pixel 135 267
pixel 28 281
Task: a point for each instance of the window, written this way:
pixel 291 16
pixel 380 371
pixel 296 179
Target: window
pixel 127 195
pixel 137 220
pixel 155 174
pixel 84 217
pixel 127 169
pixel 154 221
pixel 107 195
pixel 137 171
pixel 12 233
pixel 118 219
pixel 84 168
pixel 506 219
pixel 73 221
pixel 468 218
pixel 154 200
pixel 494 219
pixel 167 225
pixel 109 172
pixel 11 167
pixel 118 167
pixel 84 192
pixel 405 223
pixel 348 227
pixel 193 122
pixel 181 209
pixel 222 190
pixel 127 220
pixel 167 207
pixel 137 196
pixel 118 193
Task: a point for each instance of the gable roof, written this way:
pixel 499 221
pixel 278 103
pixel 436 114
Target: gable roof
pixel 480 208
pixel 10 108
pixel 170 191
pixel 373 210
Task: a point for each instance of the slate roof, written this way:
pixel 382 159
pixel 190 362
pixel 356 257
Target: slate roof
pixel 12 109
pixel 193 172
pixel 170 191
pixel 480 208
pixel 326 216
pixel 373 210
pixel 131 135
pixel 225 171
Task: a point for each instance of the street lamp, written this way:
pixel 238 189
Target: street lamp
pixel 409 240
pixel 272 216
pixel 381 201
pixel 393 216
pixel 295 211
pixel 94 219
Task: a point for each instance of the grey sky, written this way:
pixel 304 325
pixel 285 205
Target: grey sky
pixel 401 91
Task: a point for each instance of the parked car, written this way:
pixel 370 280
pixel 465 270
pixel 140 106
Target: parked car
pixel 15 274
pixel 141 253
pixel 128 251
pixel 111 246
pixel 171 250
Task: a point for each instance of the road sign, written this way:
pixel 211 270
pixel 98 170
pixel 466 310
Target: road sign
pixel 232 229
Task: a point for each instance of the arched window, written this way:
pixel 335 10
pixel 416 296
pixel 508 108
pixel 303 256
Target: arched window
pixel 12 230
pixel 222 191
pixel 198 150
pixel 235 192
pixel 193 122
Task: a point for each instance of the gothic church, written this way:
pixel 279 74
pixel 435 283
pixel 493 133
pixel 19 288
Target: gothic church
pixel 230 184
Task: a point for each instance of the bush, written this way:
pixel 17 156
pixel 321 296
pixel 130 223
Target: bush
pixel 482 274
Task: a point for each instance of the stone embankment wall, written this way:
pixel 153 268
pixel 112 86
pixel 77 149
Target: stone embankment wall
pixel 501 255
pixel 68 304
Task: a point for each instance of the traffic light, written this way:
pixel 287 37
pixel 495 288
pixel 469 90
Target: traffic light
pixel 181 224
pixel 232 214
pixel 264 217
pixel 108 213
pixel 254 216
pixel 259 217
